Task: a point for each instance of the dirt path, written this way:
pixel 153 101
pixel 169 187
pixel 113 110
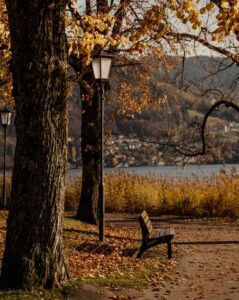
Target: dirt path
pixel 203 271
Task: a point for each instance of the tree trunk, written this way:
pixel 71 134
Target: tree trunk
pixel 90 145
pixel 33 252
pixel 88 210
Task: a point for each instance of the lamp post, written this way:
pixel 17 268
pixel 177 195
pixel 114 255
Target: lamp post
pixel 101 65
pixel 6 120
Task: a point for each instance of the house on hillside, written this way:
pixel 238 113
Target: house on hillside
pixel 234 127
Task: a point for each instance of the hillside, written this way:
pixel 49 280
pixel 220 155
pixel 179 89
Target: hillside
pixel 173 119
pixel 182 110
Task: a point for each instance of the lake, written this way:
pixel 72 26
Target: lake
pixel 170 171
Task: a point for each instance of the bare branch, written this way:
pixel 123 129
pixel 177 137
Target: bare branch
pixel 191 153
pixel 119 15
pixel 102 6
pixel 75 14
pixel 223 51
pixel 88 7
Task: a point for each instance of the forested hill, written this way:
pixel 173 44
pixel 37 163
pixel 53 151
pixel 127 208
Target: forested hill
pixel 204 70
pixel 180 85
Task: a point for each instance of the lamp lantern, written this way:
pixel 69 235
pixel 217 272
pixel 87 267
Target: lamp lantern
pixel 6 116
pixel 101 65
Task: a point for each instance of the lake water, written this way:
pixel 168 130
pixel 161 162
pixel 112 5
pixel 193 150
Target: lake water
pixel 170 171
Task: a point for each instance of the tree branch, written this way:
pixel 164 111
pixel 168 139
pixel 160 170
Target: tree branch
pixel 102 6
pixel 186 36
pixel 75 14
pixel 187 152
pixel 88 7
pixel 119 15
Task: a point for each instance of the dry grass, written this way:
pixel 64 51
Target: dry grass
pixel 214 196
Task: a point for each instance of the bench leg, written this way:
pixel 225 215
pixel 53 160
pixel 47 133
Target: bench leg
pixel 170 249
pixel 141 250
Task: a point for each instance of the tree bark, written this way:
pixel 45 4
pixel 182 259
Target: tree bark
pixel 88 210
pixel 90 145
pixel 33 252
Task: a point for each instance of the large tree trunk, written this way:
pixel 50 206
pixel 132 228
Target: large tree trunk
pixel 90 145
pixel 33 252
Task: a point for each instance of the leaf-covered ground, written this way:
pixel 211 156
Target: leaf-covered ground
pixel 112 263
pixel 199 270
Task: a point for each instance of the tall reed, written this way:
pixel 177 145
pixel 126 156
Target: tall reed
pixel 212 196
pixel 216 195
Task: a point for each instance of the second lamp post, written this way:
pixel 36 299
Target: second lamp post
pixel 6 120
pixel 101 65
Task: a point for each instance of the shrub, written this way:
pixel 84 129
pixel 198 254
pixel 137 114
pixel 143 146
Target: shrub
pixel 73 190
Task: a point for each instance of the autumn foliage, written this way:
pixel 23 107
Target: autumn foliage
pixel 133 28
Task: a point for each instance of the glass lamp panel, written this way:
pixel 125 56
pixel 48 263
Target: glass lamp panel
pixel 96 67
pixel 9 118
pixel 105 67
pixel 6 118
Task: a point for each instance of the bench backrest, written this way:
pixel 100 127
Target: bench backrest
pixel 146 225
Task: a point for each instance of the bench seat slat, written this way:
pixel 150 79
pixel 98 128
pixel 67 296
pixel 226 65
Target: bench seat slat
pixel 166 232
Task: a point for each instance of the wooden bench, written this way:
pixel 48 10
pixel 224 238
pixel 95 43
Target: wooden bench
pixel 150 238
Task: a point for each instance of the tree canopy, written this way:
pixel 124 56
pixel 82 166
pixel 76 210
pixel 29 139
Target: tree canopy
pixel 134 28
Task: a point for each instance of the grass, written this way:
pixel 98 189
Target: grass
pixel 33 295
pixel 132 280
pixel 112 262
pixel 210 196
pixel 194 113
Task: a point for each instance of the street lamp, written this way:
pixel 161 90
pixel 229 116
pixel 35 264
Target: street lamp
pixel 6 120
pixel 101 65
